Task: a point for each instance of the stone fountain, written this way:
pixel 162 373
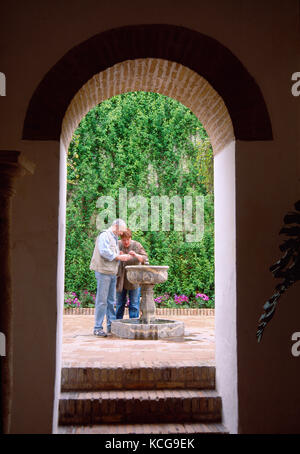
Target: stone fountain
pixel 147 326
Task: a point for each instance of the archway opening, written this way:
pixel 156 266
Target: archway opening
pixel 221 84
pixel 147 159
pixel 182 84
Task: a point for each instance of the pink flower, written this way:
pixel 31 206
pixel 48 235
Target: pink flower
pixel 202 296
pixel 179 299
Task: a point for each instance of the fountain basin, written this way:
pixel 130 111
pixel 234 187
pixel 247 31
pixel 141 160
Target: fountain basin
pixel 147 274
pixel 135 328
pixel 147 326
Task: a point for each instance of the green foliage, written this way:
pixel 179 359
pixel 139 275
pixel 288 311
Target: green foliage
pixel 206 163
pixel 152 146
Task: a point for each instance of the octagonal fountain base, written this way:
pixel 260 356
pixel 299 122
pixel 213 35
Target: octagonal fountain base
pixel 136 329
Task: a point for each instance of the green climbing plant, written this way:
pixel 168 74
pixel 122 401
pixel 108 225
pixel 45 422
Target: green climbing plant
pixel 151 145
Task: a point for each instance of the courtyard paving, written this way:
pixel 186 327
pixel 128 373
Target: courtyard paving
pixel 81 348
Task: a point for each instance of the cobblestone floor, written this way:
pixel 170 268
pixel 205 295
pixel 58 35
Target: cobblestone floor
pixel 81 347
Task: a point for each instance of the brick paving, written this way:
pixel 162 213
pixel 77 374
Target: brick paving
pixel 81 348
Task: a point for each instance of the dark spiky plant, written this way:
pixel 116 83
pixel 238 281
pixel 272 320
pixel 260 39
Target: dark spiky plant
pixel 287 268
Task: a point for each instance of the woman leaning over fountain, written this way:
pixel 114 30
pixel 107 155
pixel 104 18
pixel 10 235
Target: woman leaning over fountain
pixel 104 263
pixel 139 255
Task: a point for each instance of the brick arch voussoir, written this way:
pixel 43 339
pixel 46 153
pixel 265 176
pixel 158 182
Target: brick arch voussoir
pixel 154 75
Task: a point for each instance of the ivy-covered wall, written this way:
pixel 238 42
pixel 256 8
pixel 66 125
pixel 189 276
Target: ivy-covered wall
pixel 149 145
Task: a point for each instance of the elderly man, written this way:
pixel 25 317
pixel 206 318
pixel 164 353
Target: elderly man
pixel 105 262
pixel 138 255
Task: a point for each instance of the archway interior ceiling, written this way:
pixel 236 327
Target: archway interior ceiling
pixel 198 53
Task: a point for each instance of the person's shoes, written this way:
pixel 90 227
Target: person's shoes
pixel 100 333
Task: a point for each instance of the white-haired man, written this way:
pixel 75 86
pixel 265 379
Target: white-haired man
pixel 105 263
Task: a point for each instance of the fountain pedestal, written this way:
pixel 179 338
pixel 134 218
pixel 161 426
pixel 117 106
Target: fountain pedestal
pixel 147 326
pixel 147 305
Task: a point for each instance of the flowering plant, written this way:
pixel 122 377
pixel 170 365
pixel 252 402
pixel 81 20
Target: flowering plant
pixel 204 301
pixel 87 299
pixel 202 296
pixel 84 299
pixel 164 297
pixel 71 300
pixel 193 301
pixel 162 301
pixel 180 299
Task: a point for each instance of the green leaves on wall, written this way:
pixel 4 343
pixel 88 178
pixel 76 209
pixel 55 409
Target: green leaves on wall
pixel 151 145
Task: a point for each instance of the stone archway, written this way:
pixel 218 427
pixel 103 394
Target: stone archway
pixel 206 77
pixel 192 90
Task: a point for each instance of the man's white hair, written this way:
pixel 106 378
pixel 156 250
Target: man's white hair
pixel 119 223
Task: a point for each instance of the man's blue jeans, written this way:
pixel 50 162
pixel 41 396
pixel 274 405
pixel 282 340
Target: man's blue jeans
pixel 134 305
pixel 105 299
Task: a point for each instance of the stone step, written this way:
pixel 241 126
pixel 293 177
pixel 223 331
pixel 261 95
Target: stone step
pixel 152 377
pixel 88 408
pixel 164 428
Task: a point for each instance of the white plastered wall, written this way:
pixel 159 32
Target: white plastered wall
pixel 225 284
